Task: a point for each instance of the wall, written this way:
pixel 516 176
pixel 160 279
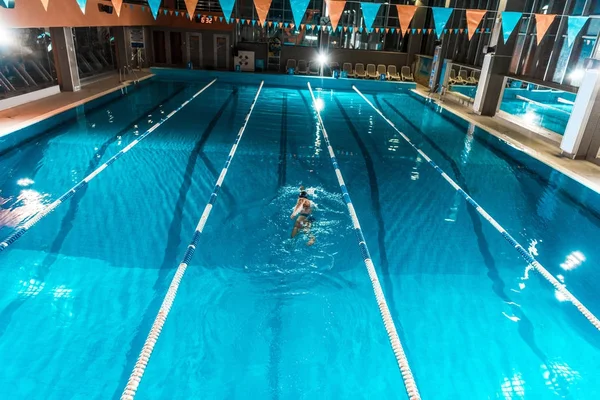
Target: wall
pixel 31 14
pixel 345 55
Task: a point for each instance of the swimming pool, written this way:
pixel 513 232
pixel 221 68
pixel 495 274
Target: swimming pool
pixel 258 315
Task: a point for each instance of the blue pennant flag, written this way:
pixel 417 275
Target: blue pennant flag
pixel 298 10
pixel 199 15
pixel 177 13
pixel 243 21
pixel 510 19
pixel 320 27
pixel 393 30
pixel 351 28
pixel 339 28
pixel 487 30
pixel 360 29
pixel 445 30
pixel 253 22
pixel 369 11
pixel 143 8
pixel 441 15
pixel 369 30
pixel 455 30
pixel 80 2
pixel 574 26
pixel 308 27
pixel 285 24
pixel 131 6
pixel 165 12
pixel 220 19
pixel 413 31
pixel 227 8
pixel 187 15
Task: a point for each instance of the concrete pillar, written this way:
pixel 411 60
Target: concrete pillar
pixel 495 67
pixel 65 59
pixel 584 122
pixel 122 46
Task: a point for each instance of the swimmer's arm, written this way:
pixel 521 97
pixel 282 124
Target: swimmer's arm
pixel 296 210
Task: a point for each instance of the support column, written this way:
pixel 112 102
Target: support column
pixel 122 46
pixel 495 67
pixel 65 59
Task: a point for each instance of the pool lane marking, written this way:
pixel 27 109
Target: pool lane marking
pixel 142 362
pixel 17 233
pixel 524 253
pixel 390 327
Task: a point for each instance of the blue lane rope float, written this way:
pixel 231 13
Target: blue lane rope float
pixel 390 327
pixel 140 366
pixel 20 231
pixel 524 253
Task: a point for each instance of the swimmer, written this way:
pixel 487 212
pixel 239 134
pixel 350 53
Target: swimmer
pixel 304 208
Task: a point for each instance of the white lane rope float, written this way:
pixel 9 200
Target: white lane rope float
pixel 524 253
pixel 390 327
pixel 142 362
pixel 20 231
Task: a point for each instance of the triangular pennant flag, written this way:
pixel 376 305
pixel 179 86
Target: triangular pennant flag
pixel 249 22
pixel 474 18
pixel 262 9
pixel 199 15
pixel 243 21
pixel 270 24
pixel 298 10
pixel 336 8
pixel 445 30
pixel 510 19
pixel 461 30
pixel 253 22
pixel 369 12
pixel 177 13
pixel 117 4
pixel 477 30
pixel 487 30
pixel 413 30
pixel 574 26
pixel 377 30
pixel 190 5
pixel 345 29
pixel 44 3
pixel 237 20
pixel 441 15
pixel 165 12
pixel 171 12
pixel 387 30
pixel 418 30
pixel 429 30
pixel 220 19
pixel 320 27
pixel 393 30
pixel 281 25
pixel 286 24
pixel 227 8
pixel 81 5
pixel 143 8
pixel 405 15
pixel 301 27
pixel 455 31
pixel 339 28
pixel 188 15
pixel 292 26
pixel 351 28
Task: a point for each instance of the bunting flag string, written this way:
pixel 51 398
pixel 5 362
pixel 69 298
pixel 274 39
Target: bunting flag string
pixel 441 16
pixel 190 5
pixel 81 4
pixel 542 24
pixel 474 18
pixel 510 19
pixel 574 26
pixel 336 8
pixel 369 11
pixel 298 10
pixel 405 16
pixel 154 6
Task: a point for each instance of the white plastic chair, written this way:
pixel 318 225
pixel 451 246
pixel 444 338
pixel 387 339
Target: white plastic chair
pixel 381 69
pixel 462 77
pixel 347 67
pixel 302 68
pixel 406 73
pixel 291 63
pixel 393 73
pixel 313 68
pixel 359 71
pixel 372 71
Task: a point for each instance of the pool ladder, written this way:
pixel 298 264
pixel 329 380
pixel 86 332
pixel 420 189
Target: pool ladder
pixel 125 71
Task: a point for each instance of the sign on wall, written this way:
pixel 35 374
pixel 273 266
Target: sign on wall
pixel 136 37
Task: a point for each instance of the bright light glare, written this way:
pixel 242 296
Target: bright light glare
pixel 6 37
pixel 573 260
pixel 322 59
pixel 24 182
pixel 576 75
pixel 311 37
pixel 319 104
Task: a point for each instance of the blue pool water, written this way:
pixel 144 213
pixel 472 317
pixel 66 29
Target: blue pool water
pixel 259 315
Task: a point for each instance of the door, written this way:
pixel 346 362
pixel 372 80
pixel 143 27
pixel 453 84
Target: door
pixel 176 48
pixel 222 52
pixel 194 49
pixel 158 44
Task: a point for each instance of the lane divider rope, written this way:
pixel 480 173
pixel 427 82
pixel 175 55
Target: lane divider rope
pixel 142 362
pixel 390 327
pixel 524 253
pixel 20 231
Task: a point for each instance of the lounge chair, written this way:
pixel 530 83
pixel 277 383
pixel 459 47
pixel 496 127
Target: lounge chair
pixel 302 67
pixel 333 65
pixel 291 63
pixel 359 71
pixel 381 70
pixel 347 68
pixel 372 71
pixel 462 77
pixel 406 73
pixel 474 78
pixel 393 73
pixel 452 79
pixel 314 68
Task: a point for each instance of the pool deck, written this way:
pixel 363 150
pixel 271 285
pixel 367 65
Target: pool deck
pixel 22 116
pixel 542 149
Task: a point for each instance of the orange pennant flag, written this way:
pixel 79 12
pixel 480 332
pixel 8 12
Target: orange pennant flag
pixel 474 17
pixel 336 8
pixel 270 24
pixel 190 5
pixel 405 15
pixel 281 24
pixel 45 4
pixel 237 20
pixel 262 9
pixel 429 30
pixel 419 30
pixel 542 23
pixel 345 29
pixel 171 12
pixel 292 26
pixel 387 30
pixel 301 27
pixel 461 30
pixel 376 30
